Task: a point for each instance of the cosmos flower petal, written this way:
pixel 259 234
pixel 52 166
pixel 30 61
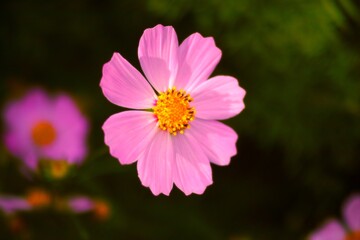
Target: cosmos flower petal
pixel 331 230
pixel 155 165
pixel 80 204
pixel 158 50
pixel 198 57
pixel 128 134
pixel 217 140
pixel 12 204
pixel 34 105
pixel 219 98
pixel 191 170
pixel 71 129
pixel 21 148
pixel 351 212
pixel 124 86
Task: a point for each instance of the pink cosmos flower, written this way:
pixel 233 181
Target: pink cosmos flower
pixel 173 133
pixel 334 230
pixel 40 127
pixel 11 204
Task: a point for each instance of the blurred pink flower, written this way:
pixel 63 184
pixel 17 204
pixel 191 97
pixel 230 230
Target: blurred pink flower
pixel 12 204
pixel 39 127
pixel 177 139
pixel 83 204
pixel 334 230
pixel 80 204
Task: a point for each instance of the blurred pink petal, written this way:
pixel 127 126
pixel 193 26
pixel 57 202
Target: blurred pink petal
pixel 70 143
pixel 155 166
pixel 331 230
pixel 124 86
pixel 40 127
pixel 175 141
pixel 218 98
pixel 158 55
pixel 20 116
pixel 11 204
pixel 198 57
pixel 351 212
pixel 80 204
pixel 217 140
pixel 128 134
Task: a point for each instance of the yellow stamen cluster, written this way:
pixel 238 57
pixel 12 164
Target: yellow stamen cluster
pixel 59 168
pixel 55 169
pixel 173 111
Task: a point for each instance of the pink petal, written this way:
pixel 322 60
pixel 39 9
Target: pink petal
pixel 155 165
pixel 198 57
pixel 12 204
pixel 331 230
pixel 351 212
pixel 218 98
pixel 192 171
pixel 128 134
pixel 34 105
pixel 80 204
pixel 22 148
pixel 20 116
pixel 158 49
pixel 217 140
pixel 71 128
pixel 123 85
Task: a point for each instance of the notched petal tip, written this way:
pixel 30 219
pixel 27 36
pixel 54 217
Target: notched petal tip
pixel 160 27
pixel 198 57
pixel 158 55
pixel 157 192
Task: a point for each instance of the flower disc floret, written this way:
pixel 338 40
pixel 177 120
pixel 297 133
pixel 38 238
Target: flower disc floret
pixel 173 111
pixel 43 133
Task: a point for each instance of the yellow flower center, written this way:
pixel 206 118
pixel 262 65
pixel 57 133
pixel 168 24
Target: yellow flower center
pixel 59 168
pixel 353 236
pixel 55 169
pixel 43 133
pixel 173 111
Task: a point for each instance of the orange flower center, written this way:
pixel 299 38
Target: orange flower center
pixel 43 133
pixel 101 210
pixel 353 236
pixel 173 111
pixel 38 198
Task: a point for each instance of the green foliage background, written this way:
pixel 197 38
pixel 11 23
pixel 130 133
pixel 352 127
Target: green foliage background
pixel 299 136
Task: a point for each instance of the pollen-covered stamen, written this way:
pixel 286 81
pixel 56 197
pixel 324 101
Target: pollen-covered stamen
pixel 43 133
pixel 173 111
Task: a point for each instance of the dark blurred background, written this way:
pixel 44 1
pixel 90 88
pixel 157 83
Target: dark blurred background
pixel 299 136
